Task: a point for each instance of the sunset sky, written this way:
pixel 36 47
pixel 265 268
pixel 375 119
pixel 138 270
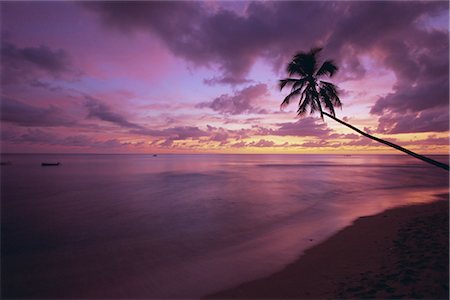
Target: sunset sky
pixel 202 77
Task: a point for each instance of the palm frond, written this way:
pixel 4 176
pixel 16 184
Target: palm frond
pixel 327 67
pixel 323 82
pixel 304 103
pixel 294 67
pixel 302 108
pixel 313 105
pixel 314 95
pixel 304 63
pixel 326 100
pixel 287 81
pixel 332 92
pixel 319 107
pixel 299 84
pixel 315 98
pixel 288 97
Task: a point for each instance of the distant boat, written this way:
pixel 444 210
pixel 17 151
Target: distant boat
pixel 155 155
pixel 5 163
pixel 44 164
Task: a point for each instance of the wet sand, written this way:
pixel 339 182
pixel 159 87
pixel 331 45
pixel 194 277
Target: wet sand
pixel 399 253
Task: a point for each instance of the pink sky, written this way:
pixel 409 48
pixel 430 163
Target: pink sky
pixel 202 77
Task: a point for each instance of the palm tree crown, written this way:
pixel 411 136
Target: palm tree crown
pixel 312 91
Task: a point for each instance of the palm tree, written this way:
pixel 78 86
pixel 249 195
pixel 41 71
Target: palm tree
pixel 313 93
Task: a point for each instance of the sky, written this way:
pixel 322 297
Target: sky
pixel 203 77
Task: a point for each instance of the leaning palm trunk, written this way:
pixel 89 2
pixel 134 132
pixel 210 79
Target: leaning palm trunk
pixel 421 157
pixel 314 93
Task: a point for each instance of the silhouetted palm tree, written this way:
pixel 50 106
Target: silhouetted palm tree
pixel 313 93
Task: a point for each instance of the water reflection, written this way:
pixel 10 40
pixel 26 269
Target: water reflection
pixel 184 225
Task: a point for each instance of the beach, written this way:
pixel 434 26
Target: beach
pixel 399 253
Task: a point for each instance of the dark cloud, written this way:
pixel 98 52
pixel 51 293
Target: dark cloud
pixel 422 76
pixel 224 38
pixel 394 34
pixel 23 114
pixel 30 63
pixel 436 120
pixel 174 133
pixel 33 136
pixel 363 141
pixel 38 136
pixel 431 140
pixel 219 137
pixel 319 144
pixel 273 30
pixel 418 57
pixel 241 102
pixel 101 111
pixel 226 80
pixel 262 143
pixel 239 144
pixel 170 135
pixel 303 127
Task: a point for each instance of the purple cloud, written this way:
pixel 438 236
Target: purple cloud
pixel 23 114
pixel 363 142
pixel 26 64
pixel 418 56
pixel 425 121
pixel 303 127
pixel 224 38
pixel 242 102
pixel 36 136
pixel 170 135
pixel 422 74
pixel 319 144
pixel 401 42
pixel 101 111
pixel 174 133
pixel 273 30
pixel 431 140
pixel 225 80
pixel 239 144
pixel 262 143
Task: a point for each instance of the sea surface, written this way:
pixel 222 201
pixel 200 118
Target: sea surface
pixel 184 226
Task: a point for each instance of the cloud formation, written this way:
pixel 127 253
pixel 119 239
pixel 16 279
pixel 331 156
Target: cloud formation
pixel 23 114
pixel 273 30
pixel 37 136
pixel 395 53
pixel 223 37
pixel 28 63
pixel 303 127
pixel 401 40
pixel 101 111
pixel 243 101
pixel 425 121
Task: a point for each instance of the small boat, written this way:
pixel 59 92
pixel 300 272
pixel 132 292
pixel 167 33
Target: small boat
pixel 154 155
pixel 45 164
pixel 5 163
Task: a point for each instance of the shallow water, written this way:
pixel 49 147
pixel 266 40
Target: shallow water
pixel 138 226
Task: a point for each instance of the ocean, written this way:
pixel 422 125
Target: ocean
pixel 184 226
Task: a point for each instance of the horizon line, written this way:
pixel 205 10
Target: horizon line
pixel 103 153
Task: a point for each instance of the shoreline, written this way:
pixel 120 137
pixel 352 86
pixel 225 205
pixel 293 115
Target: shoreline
pixel 398 253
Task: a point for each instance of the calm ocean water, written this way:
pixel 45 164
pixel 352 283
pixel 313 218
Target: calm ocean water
pixel 138 226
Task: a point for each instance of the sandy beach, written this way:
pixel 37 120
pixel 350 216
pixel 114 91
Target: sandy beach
pixel 399 253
